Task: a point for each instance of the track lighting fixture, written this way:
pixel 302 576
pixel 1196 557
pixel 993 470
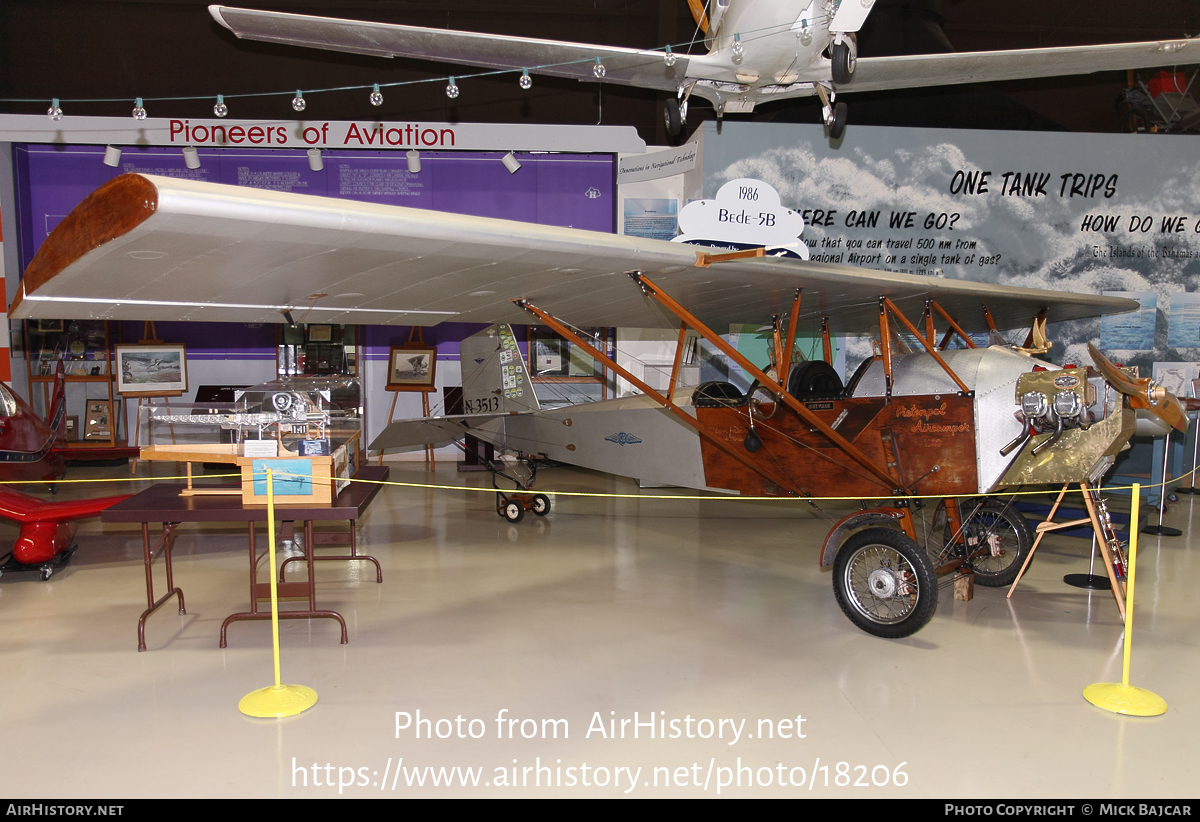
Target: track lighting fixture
pixel 511 163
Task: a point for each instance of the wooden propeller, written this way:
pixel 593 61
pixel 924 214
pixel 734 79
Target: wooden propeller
pixel 1142 393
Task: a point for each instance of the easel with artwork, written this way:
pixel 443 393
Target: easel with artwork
pixel 411 368
pixel 150 370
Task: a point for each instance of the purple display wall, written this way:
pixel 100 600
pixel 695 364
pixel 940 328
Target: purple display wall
pixel 573 190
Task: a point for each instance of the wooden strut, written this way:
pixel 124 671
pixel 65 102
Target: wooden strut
pixel 912 329
pixel 666 402
pixel 651 290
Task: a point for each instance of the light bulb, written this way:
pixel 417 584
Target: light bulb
pixel 525 82
pixel 220 109
pixel 451 89
pixel 54 112
pixel 669 57
pixel 599 69
pixel 139 111
pixel 376 96
pixel 298 101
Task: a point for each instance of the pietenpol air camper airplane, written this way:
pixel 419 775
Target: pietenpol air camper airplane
pixel 950 421
pixel 758 51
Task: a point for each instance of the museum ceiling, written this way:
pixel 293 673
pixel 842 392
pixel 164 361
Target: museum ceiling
pixel 115 50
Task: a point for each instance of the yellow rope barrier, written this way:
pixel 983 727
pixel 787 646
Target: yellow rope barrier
pixel 714 496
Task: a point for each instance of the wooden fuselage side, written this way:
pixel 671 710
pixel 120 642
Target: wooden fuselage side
pixel 927 442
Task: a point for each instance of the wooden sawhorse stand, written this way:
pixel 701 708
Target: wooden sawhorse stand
pixel 1106 538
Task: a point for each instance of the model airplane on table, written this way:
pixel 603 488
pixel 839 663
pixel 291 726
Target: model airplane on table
pixel 759 51
pixel 946 422
pixel 29 452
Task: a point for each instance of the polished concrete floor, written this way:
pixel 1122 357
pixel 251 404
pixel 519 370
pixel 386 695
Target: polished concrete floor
pixel 711 615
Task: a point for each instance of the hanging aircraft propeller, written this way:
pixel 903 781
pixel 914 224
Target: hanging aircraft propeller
pixel 1142 393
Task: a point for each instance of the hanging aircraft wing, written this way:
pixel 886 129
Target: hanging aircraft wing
pixel 647 69
pixel 907 71
pixel 159 248
pixel 552 57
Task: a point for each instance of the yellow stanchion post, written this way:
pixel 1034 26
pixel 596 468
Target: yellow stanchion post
pixel 1123 698
pixel 276 700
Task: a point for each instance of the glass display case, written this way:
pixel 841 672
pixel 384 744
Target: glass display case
pixel 301 416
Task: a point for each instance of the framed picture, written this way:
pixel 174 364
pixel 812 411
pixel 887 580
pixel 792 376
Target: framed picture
pixel 410 368
pixel 151 370
pixel 72 434
pixel 320 333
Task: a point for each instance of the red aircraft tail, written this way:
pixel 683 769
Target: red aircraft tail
pixel 56 416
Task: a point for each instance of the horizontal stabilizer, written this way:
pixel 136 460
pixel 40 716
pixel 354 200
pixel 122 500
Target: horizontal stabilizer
pixel 20 507
pixel 417 433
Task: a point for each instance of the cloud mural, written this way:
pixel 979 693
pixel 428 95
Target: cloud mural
pixel 1071 212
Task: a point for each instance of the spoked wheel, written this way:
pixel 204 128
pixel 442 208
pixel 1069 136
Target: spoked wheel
pixel 885 583
pixel 541 505
pixel 998 539
pixel 513 511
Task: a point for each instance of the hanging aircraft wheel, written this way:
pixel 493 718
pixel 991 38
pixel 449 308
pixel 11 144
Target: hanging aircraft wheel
pixel 540 505
pixel 885 583
pixel 513 510
pixel 843 57
pixel 672 117
pixel 46 572
pixel 838 126
pixel 998 540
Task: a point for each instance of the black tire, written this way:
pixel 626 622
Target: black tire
pixel 671 117
pixel 999 528
pixel 46 572
pixel 541 504
pixel 885 583
pixel 838 127
pixel 842 57
pixel 513 511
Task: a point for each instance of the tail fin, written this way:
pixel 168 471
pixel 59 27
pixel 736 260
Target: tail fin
pixel 495 377
pixel 56 415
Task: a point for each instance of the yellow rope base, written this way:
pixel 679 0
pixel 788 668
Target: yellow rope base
pixel 277 701
pixel 1125 699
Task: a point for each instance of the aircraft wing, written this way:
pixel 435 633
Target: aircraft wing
pixel 647 69
pixel 559 59
pixel 159 248
pixel 907 71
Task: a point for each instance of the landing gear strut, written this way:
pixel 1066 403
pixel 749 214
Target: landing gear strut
pixel 833 113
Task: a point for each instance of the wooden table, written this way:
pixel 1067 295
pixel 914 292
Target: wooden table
pixel 164 503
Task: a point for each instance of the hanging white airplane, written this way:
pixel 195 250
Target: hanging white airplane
pixel 759 51
pixel 949 421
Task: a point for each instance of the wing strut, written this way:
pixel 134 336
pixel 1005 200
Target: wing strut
pixel 847 447
pixel 666 401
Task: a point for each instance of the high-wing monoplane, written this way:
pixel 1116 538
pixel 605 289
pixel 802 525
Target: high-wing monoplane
pixel 30 452
pixel 758 51
pixel 930 416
